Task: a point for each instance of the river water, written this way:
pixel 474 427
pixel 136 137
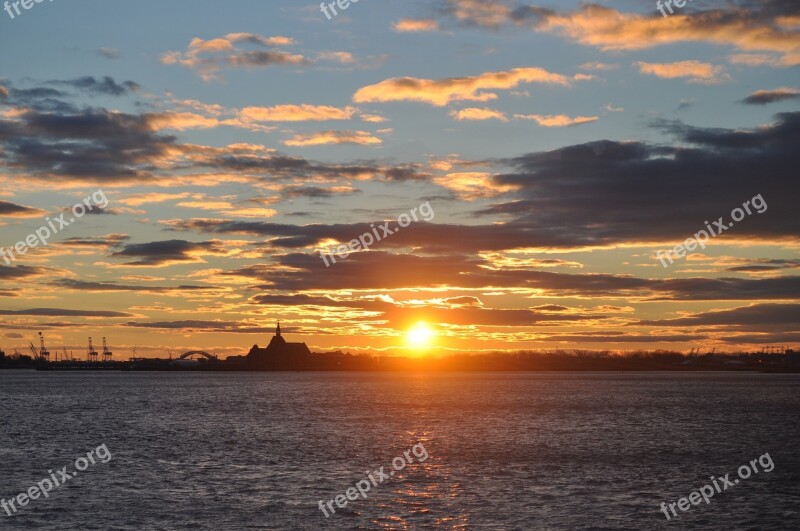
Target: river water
pixel 504 450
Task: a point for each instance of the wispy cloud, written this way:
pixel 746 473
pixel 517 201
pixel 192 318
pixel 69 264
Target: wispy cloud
pixel 443 91
pixel 556 120
pixel 207 57
pixel 762 97
pixel 409 25
pixel 332 137
pixel 474 113
pixel 694 71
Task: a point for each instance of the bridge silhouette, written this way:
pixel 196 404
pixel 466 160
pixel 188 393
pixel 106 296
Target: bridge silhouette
pixel 187 355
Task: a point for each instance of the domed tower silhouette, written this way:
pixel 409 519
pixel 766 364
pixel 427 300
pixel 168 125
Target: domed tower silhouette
pixel 279 352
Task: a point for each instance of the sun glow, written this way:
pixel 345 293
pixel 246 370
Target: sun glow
pixel 420 335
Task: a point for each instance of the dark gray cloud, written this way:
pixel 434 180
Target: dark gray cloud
pixel 101 287
pixel 763 97
pixel 463 311
pixel 601 193
pixel 769 314
pixel 8 209
pixel 611 337
pixel 109 53
pixel 766 264
pixel 60 312
pixel 206 326
pixel 19 272
pixel 103 86
pixel 168 251
pixel 92 144
pixel 296 272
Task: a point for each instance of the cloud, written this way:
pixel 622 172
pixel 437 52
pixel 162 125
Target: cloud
pixel 207 57
pixel 752 26
pixel 150 198
pixel 59 312
pixel 225 207
pixel 763 97
pixel 109 53
pixel 302 272
pixel 105 86
pixel 332 137
pixel 197 325
pixel 372 118
pixel 474 113
pixel 593 195
pixel 408 25
pixel 296 113
pixel 104 242
pixel 12 210
pixel 696 71
pixel 599 67
pixel 755 59
pixel 259 39
pixel 443 91
pixel 471 185
pixel 556 120
pixel 339 57
pixel 110 287
pixel 22 272
pixel 487 13
pixel 180 121
pixel 91 144
pixel 748 26
pixel 768 315
pixel 170 252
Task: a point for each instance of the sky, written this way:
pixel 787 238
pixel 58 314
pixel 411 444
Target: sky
pixel 568 175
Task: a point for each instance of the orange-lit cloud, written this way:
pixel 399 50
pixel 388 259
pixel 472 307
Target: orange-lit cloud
pixel 443 91
pixel 372 118
pixel 490 14
pixel 556 120
pixel 207 57
pixel 338 57
pixel 149 198
pixel 474 113
pixel 608 29
pixel 598 66
pixel 695 71
pixel 296 113
pixel 182 121
pixel 332 137
pixel 762 97
pixel 408 25
pixel 472 185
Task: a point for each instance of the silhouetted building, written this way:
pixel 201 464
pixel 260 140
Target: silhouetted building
pixel 279 353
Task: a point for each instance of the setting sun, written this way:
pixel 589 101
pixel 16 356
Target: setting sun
pixel 420 335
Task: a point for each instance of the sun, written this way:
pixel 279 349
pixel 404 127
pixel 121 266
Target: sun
pixel 420 335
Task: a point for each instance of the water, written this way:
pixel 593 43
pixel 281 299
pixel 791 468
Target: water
pixel 506 451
